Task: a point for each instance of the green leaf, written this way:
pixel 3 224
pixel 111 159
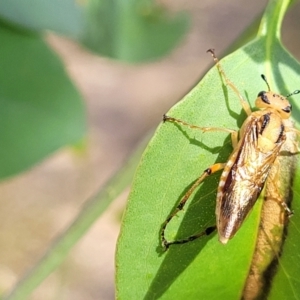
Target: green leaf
pixel 41 110
pixel 133 30
pixel 175 157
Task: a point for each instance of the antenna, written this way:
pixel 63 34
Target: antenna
pixel 266 81
pixel 293 93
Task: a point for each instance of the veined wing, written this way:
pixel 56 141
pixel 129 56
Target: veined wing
pixel 245 174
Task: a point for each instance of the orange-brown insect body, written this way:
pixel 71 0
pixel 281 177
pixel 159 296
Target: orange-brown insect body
pixel 245 173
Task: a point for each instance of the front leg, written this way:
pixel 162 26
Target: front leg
pixel 234 133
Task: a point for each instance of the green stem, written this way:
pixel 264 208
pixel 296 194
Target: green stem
pixel 270 30
pixel 271 22
pixel 89 214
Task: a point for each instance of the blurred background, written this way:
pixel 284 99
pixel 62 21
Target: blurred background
pixel 123 103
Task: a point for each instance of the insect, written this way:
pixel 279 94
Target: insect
pixel 255 148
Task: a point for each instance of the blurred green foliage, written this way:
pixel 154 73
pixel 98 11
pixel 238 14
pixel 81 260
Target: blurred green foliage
pixel 133 31
pixel 41 110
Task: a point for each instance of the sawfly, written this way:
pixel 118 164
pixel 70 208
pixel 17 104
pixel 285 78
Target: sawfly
pixel 256 146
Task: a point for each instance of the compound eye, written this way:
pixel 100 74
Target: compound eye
pixel 264 97
pixel 287 109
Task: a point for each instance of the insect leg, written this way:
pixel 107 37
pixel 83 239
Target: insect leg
pixel 295 131
pixel 244 104
pixel 273 192
pixel 203 129
pixel 277 198
pixel 234 133
pixel 214 168
pixel 292 129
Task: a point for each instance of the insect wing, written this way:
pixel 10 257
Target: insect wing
pixel 243 179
